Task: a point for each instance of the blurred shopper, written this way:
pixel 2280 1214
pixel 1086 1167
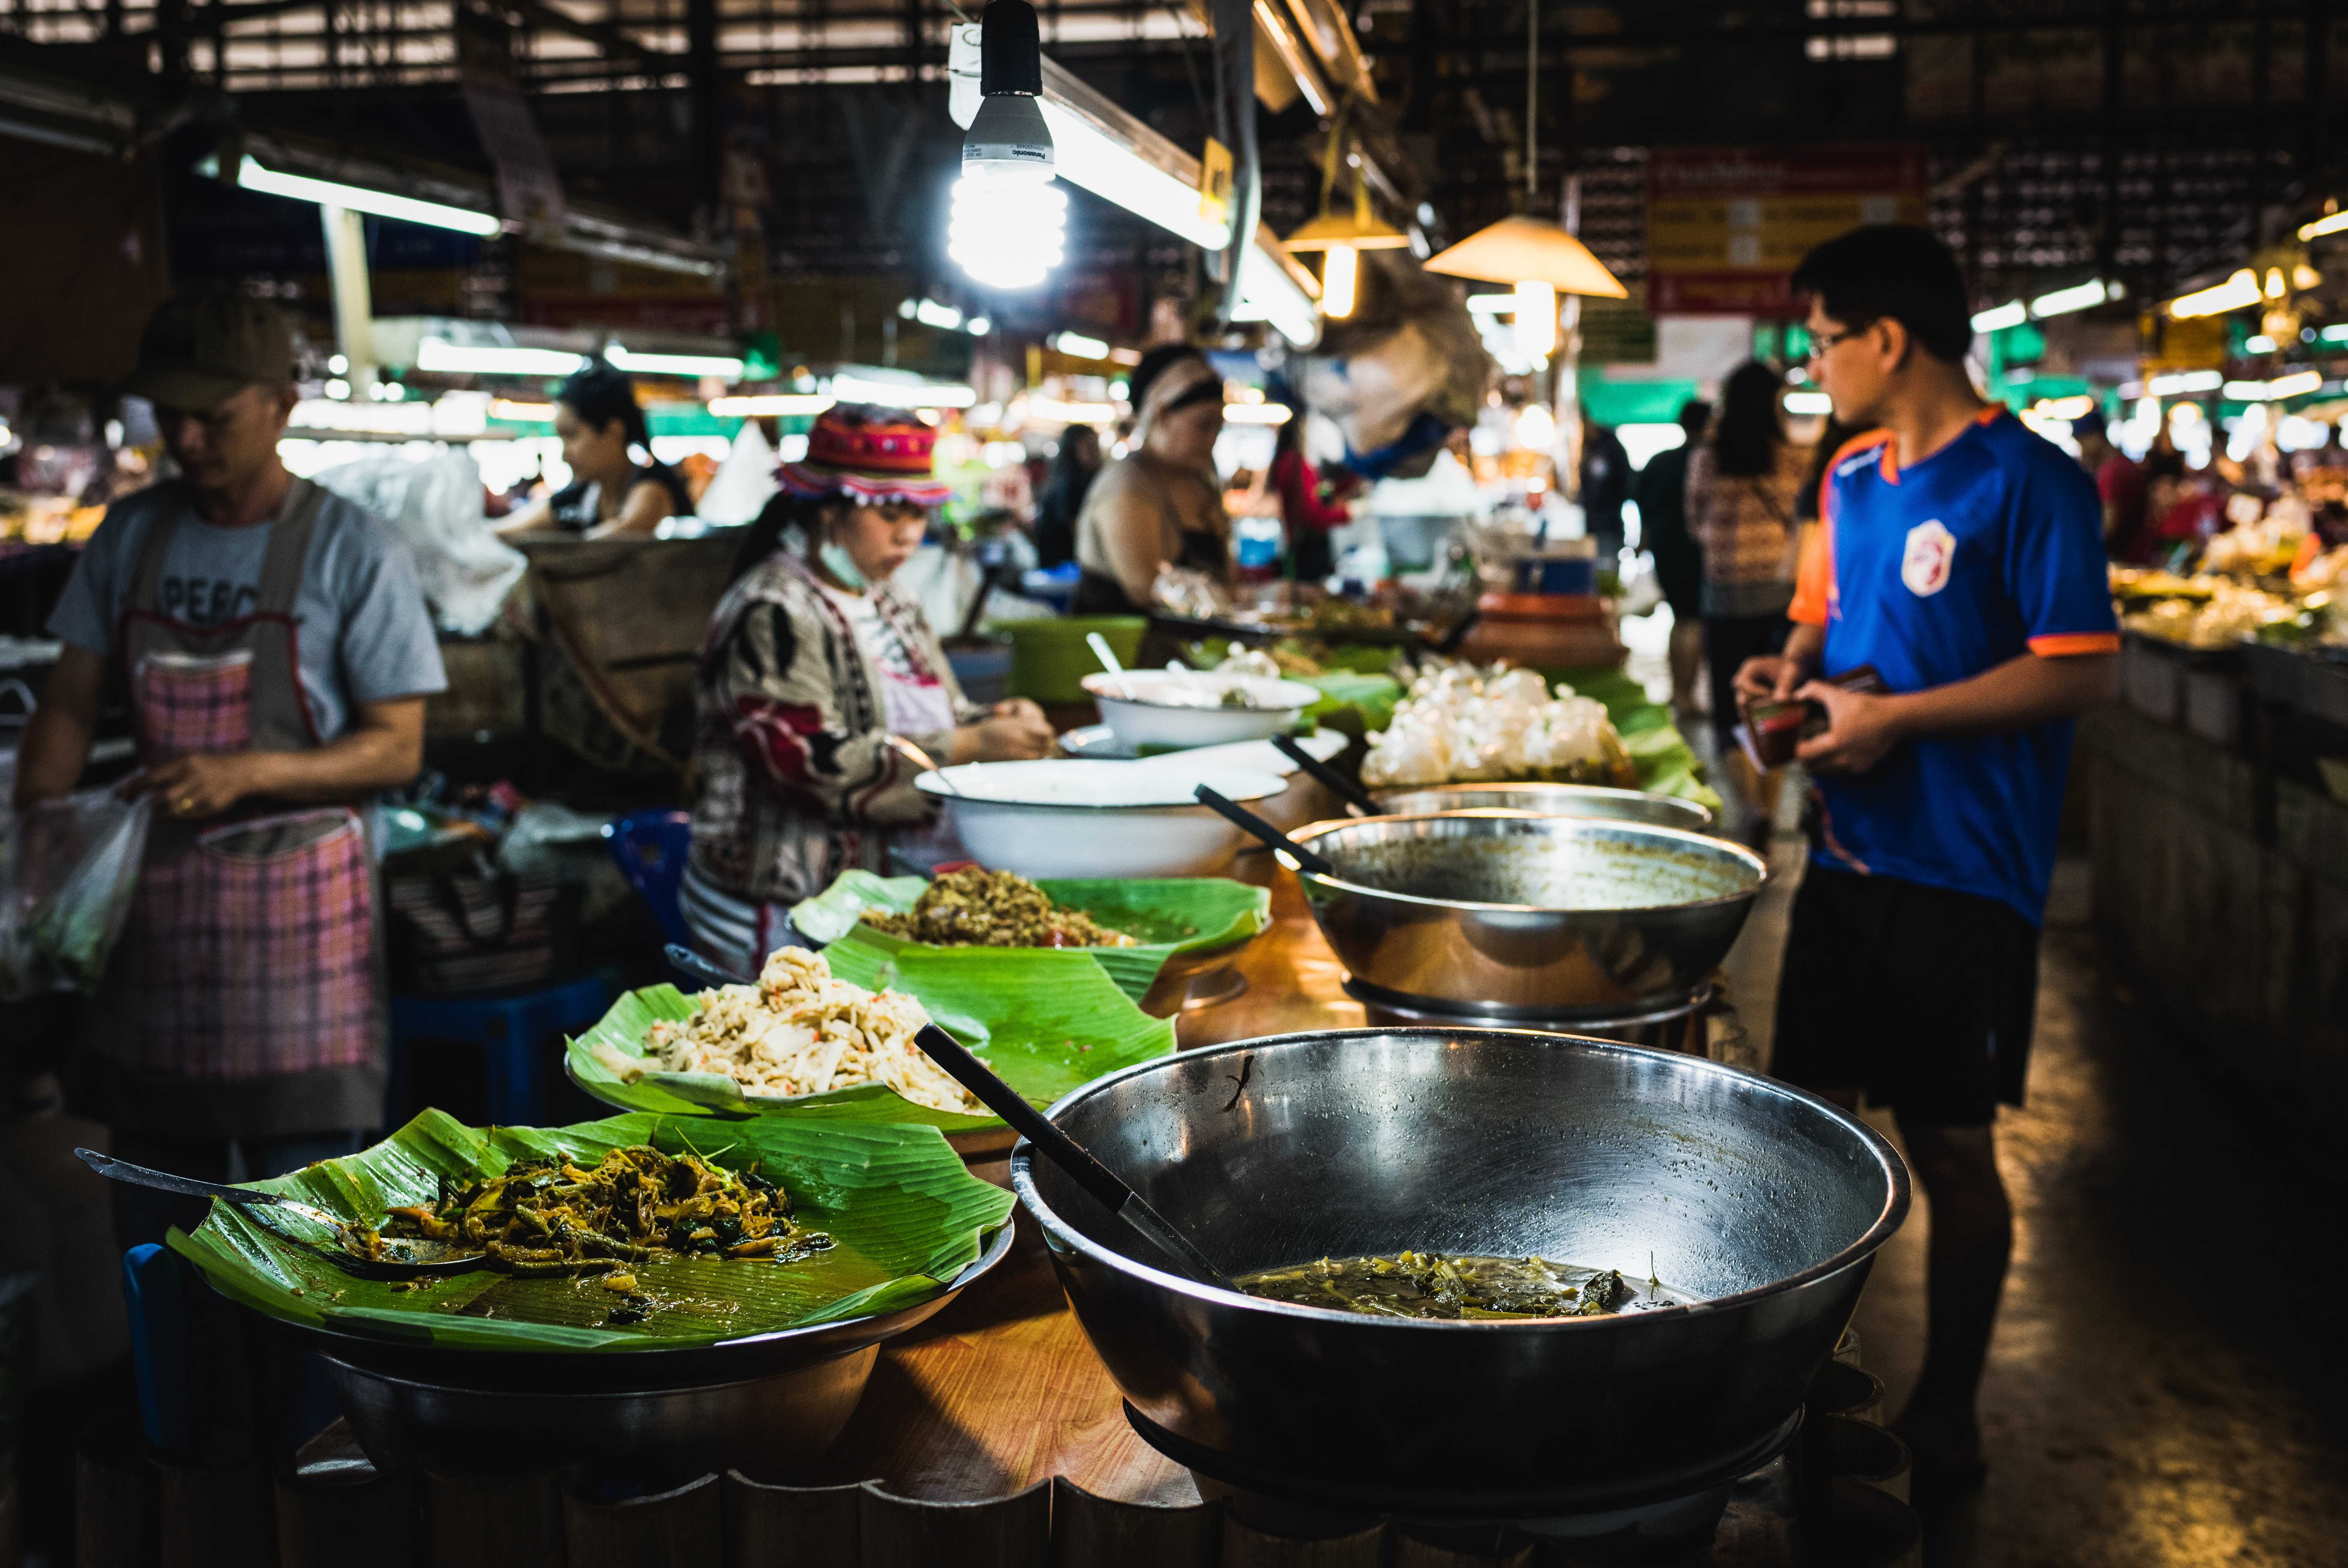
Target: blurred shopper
pixel 1308 507
pixel 812 662
pixel 1605 486
pixel 239 1029
pixel 1159 505
pixel 1741 489
pixel 616 486
pixel 1960 558
pixel 1660 491
pixel 2120 484
pixel 1062 500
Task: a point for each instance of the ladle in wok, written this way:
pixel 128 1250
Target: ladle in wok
pixel 401 1257
pixel 1344 789
pixel 1056 1145
pixel 1272 837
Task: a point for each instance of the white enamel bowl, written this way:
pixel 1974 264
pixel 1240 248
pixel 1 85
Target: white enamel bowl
pixel 1170 710
pixel 1085 818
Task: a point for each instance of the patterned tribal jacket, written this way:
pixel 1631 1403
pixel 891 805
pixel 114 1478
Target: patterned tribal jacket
pixel 795 785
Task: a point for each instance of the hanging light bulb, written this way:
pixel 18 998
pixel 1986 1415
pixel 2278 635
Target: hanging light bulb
pixel 1536 327
pixel 1338 276
pixel 1008 226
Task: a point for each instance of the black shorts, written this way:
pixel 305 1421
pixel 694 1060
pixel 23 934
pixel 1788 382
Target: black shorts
pixel 1921 996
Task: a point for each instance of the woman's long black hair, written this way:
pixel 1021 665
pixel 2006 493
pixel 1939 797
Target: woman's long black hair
pixel 1749 431
pixel 809 516
pixel 599 395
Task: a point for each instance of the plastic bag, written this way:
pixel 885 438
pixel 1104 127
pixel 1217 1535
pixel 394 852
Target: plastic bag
pixel 66 885
pixel 433 506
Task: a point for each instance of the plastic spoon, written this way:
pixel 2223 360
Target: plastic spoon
pixel 1070 1155
pixel 1262 829
pixel 401 1258
pixel 1344 789
pixel 1103 653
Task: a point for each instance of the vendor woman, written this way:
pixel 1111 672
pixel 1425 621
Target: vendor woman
pixel 811 663
pixel 239 1029
pixel 616 486
pixel 1159 505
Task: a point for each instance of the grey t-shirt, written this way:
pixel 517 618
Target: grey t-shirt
pixel 365 632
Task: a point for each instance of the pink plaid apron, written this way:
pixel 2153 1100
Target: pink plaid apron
pixel 251 946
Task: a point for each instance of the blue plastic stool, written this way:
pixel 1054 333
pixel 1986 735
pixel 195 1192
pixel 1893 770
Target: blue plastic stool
pixel 158 1343
pixel 507 1026
pixel 649 848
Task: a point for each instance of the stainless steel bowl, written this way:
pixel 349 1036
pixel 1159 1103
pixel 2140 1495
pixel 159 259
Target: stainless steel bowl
pixel 1507 917
pixel 761 1404
pixel 1761 1200
pixel 1549 800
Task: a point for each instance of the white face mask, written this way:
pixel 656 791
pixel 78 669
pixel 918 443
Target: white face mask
pixel 835 559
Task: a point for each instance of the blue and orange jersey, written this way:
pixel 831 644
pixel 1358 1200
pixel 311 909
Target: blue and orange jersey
pixel 1989 549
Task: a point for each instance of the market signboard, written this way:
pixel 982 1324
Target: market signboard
pixel 1728 225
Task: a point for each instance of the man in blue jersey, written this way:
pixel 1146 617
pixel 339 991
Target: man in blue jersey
pixel 1960 558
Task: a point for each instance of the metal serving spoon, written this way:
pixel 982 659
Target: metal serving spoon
pixel 1344 789
pixel 921 758
pixel 402 1257
pixel 1070 1155
pixel 1272 837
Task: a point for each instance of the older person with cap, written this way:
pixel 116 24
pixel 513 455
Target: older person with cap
pixel 813 662
pixel 1159 505
pixel 275 652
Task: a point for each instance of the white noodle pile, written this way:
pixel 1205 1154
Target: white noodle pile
pixel 1459 724
pixel 800 1031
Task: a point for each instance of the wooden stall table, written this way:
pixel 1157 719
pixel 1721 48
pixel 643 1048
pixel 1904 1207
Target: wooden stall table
pixel 1001 1389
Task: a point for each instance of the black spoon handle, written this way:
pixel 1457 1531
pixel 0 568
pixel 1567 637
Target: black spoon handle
pixel 164 1181
pixel 1262 829
pixel 1344 789
pixel 694 963
pixel 1064 1151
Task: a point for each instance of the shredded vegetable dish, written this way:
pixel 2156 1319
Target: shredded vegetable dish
pixel 974 908
pixel 634 1206
pixel 800 1030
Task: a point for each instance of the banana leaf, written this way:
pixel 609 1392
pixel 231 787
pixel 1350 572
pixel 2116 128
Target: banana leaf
pixel 905 1214
pixel 1047 1021
pixel 1170 916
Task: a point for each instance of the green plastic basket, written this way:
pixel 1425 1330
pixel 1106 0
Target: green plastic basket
pixel 1049 659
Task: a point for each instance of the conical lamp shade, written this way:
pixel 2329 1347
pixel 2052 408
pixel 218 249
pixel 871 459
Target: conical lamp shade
pixel 1528 249
pixel 1330 229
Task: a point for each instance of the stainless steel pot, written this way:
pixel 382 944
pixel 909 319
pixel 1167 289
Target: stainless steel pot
pixel 1520 918
pixel 760 1404
pixel 1549 800
pixel 1766 1203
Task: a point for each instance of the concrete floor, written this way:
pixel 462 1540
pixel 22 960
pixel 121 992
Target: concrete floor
pixel 2168 1386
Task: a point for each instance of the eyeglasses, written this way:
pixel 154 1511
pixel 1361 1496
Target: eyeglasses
pixel 1821 343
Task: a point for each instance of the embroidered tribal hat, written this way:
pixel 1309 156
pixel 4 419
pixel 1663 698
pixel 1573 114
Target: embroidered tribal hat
pixel 870 454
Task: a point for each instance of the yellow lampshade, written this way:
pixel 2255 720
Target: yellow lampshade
pixel 1528 249
pixel 1361 229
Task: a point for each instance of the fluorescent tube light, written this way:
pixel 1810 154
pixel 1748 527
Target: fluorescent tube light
pixel 769 405
pixel 930 313
pixel 524 413
pixel 2298 384
pixel 2331 224
pixel 2013 313
pixel 1492 304
pixel 495 359
pixel 1076 346
pixel 1086 157
pixel 2185 381
pixel 2238 292
pixel 382 203
pixel 725 367
pixel 1258 413
pixel 902 394
pixel 1809 403
pixel 2259 345
pixel 2078 296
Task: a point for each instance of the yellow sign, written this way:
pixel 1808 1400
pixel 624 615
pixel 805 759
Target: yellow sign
pixel 1215 183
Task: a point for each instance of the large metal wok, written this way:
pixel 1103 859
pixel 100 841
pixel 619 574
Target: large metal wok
pixel 1761 1200
pixel 1549 800
pixel 1507 917
pixel 761 1404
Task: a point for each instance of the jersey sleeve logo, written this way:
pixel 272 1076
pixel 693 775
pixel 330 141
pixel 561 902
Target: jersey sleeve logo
pixel 1931 550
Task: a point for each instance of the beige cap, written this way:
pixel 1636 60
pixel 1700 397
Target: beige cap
pixel 201 349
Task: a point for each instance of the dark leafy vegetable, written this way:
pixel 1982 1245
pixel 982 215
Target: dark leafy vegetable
pixel 1451 1287
pixel 975 908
